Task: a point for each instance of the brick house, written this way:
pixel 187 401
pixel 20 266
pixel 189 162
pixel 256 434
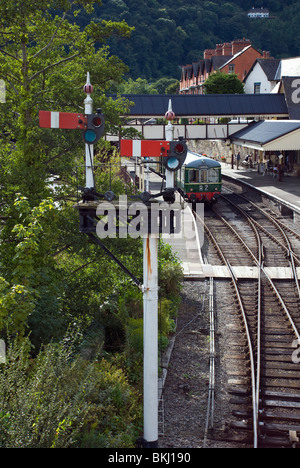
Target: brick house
pixel 237 57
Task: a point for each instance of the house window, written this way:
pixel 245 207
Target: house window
pixel 231 68
pixel 257 88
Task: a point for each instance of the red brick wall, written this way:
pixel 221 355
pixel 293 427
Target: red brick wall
pixel 243 62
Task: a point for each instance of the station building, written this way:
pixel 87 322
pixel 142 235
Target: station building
pixel 272 143
pixel 276 141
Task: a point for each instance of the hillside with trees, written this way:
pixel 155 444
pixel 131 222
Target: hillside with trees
pixel 168 35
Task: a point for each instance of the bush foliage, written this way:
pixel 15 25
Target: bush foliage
pixel 60 400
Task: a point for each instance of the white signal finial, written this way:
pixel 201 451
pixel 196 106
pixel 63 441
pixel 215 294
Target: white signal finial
pixel 170 115
pixel 88 88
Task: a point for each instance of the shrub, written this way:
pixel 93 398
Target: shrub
pixel 60 400
pixel 170 281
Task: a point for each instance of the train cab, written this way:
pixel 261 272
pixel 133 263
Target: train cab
pixel 200 179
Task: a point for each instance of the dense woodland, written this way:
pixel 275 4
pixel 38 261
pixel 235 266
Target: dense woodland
pixel 170 34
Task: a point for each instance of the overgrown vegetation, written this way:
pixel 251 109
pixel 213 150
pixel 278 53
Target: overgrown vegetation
pixel 59 400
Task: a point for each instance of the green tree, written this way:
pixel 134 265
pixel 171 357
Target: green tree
pixel 19 292
pixel 163 84
pixel 167 37
pixel 139 86
pixel 222 83
pixel 142 86
pixel 44 57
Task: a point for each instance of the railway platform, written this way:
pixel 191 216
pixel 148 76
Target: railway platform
pixel 188 248
pixel 287 191
pixel 187 244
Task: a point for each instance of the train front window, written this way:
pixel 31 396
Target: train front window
pixel 213 175
pixel 203 176
pixel 194 176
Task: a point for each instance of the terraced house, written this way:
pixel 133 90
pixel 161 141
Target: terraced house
pixel 237 57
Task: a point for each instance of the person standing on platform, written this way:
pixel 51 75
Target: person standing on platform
pixel 280 168
pixel 238 159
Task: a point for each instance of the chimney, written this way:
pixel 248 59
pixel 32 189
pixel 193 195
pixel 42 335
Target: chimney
pixel 266 54
pixel 226 48
pixel 239 44
pixel 219 51
pixel 208 53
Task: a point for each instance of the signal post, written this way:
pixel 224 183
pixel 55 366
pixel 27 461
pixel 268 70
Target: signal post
pixel 170 136
pixel 174 154
pixel 150 315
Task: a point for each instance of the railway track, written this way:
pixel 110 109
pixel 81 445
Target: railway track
pixel 264 323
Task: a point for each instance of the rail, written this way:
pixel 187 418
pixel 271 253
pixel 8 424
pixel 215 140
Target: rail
pixel 256 364
pixel 250 347
pixel 209 423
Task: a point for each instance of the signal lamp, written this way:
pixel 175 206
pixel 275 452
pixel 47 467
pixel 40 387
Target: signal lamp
pixel 179 148
pixel 94 129
pixel 173 164
pixel 177 155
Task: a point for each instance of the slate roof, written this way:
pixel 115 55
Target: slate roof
pixel 269 66
pixel 264 132
pixel 219 61
pixel 258 10
pixel 217 105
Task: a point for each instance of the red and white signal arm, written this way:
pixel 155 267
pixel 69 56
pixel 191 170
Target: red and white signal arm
pixel 144 148
pixel 66 120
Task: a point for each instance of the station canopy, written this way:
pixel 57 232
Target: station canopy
pixel 208 105
pixel 270 135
